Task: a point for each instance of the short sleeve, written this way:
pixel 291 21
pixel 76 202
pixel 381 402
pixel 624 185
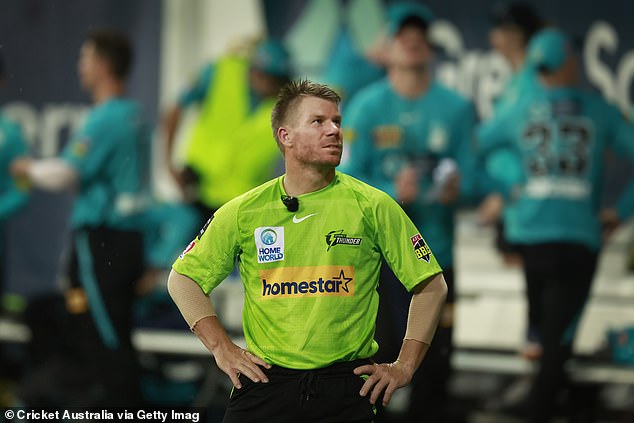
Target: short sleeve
pixel 210 257
pixel 90 148
pixel 402 245
pixel 196 91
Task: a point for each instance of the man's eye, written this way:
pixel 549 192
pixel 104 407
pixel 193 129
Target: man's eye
pixel 317 120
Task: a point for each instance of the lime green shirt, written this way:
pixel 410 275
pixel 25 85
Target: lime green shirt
pixel 310 276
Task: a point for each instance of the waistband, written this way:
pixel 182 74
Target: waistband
pixel 308 380
pixel 338 368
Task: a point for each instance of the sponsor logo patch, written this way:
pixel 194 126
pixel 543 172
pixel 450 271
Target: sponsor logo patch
pixel 421 249
pixel 187 249
pixel 81 147
pixel 349 135
pixel 316 281
pixel 204 228
pixel 269 242
pixel 387 136
pixel 339 238
pixel 438 137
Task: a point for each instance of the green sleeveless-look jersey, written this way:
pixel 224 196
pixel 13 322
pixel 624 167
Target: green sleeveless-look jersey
pixel 309 276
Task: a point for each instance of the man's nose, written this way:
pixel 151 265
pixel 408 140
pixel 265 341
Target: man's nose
pixel 333 128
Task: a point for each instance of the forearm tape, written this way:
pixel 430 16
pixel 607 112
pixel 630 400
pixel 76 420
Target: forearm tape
pixel 192 302
pixel 424 310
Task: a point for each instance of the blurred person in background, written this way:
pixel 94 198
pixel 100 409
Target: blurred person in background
pixel 310 245
pixel 411 137
pixel 13 192
pixel 561 134
pixel 513 26
pixel 357 56
pixel 166 227
pixel 106 163
pixel 228 150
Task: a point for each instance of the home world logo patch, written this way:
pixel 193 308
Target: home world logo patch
pixel 421 249
pixel 315 281
pixel 269 242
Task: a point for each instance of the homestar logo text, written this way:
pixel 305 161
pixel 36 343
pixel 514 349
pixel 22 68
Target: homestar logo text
pixel 269 241
pixel 317 281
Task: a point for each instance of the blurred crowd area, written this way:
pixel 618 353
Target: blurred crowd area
pixel 191 57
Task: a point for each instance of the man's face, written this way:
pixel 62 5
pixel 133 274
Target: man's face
pixel 90 66
pixel 263 84
pixel 506 40
pixel 313 135
pixel 410 47
pixel 571 70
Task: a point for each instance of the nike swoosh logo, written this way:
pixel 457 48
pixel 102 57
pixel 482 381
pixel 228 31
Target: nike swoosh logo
pixel 301 219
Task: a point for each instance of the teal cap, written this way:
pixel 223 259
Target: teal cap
pixel 398 13
pixel 271 57
pixel 548 49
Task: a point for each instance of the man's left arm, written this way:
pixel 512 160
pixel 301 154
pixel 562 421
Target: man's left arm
pixel 424 313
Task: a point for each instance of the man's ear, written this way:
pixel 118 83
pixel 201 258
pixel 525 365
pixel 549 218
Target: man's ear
pixel 283 136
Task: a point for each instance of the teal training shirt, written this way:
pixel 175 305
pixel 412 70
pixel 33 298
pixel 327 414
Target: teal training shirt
pixel 384 131
pixel 561 136
pixel 166 228
pixel 504 164
pixel 197 90
pixel 524 80
pixel 310 276
pixel 110 153
pixel 502 169
pixel 12 145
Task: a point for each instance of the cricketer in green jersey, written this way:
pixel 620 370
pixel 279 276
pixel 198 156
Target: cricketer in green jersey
pixel 309 245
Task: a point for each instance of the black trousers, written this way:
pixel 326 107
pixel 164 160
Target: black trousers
pixel 104 266
pixel 558 279
pixel 328 395
pixel 429 385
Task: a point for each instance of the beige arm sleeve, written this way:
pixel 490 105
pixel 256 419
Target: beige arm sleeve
pixel 189 298
pixel 425 309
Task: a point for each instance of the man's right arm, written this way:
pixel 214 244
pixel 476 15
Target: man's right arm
pixel 199 314
pixel 193 94
pixel 424 313
pixel 51 174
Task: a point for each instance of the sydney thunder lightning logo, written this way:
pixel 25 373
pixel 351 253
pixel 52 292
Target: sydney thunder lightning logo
pixel 338 237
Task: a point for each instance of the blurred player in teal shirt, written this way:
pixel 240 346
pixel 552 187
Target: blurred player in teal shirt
pixel 513 26
pixel 106 162
pixel 411 137
pixel 561 134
